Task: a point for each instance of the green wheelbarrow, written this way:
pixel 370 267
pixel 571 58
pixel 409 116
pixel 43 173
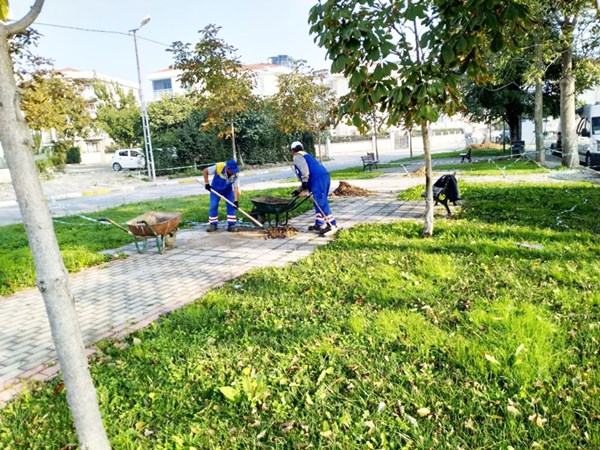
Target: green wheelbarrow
pixel 265 207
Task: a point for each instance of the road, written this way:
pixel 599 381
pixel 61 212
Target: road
pixel 73 202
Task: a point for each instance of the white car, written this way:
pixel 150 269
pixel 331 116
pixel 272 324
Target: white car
pixel 128 158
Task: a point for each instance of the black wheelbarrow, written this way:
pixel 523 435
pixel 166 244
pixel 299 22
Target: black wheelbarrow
pixel 265 208
pixel 162 226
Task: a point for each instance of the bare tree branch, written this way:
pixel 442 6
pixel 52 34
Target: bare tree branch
pixel 25 21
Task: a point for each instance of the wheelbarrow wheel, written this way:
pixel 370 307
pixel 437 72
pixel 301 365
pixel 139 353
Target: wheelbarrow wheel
pixel 262 218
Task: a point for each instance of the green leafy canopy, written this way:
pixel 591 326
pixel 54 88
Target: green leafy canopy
pixel 406 59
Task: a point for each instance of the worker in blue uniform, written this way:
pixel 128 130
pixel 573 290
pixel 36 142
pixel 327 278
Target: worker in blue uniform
pixel 225 182
pixel 315 178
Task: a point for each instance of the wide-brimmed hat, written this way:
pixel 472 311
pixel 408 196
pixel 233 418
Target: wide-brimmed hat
pixel 232 165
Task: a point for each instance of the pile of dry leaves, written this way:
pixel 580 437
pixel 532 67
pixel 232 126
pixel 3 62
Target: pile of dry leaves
pixel 420 172
pixel 347 190
pixel 281 232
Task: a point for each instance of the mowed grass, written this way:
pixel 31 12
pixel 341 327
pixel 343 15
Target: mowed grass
pixel 82 237
pixel 351 173
pixel 476 153
pixel 355 173
pixel 494 167
pixel 381 339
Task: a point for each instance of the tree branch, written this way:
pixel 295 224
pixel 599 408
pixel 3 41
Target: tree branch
pixel 23 23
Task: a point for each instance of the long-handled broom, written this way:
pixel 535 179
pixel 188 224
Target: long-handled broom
pixel 256 222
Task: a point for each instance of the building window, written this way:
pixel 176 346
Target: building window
pixel 162 85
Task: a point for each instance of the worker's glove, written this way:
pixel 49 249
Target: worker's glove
pixel 207 187
pixel 296 193
pixel 237 204
pixel 305 185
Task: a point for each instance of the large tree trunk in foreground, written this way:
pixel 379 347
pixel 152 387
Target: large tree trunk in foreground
pixel 428 226
pixel 52 277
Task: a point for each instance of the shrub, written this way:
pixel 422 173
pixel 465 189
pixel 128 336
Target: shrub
pixel 74 155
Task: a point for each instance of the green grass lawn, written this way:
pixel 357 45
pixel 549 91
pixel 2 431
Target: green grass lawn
pixel 484 336
pixel 494 167
pixel 351 173
pixel 479 153
pixel 355 173
pixel 80 239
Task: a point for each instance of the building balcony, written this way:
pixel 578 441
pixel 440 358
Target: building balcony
pixel 161 93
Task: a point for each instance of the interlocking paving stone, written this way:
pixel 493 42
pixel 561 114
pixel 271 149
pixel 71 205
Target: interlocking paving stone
pixel 124 295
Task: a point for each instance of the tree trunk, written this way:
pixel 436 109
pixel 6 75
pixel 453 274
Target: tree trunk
pixel 233 141
pixel 539 124
pixel 570 156
pixel 319 148
pixel 538 111
pixel 428 226
pixel 513 121
pixel 52 277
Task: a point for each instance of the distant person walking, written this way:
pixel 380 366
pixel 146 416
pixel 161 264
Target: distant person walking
pixel 315 178
pixel 225 182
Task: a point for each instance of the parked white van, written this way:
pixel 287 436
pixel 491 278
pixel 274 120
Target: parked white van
pixel 588 135
pixel 128 158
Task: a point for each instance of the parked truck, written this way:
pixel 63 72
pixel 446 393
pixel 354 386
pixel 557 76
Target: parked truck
pixel 588 135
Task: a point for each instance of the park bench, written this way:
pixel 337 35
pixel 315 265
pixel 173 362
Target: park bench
pixel 466 155
pixel 445 190
pixel 369 161
pixel 517 148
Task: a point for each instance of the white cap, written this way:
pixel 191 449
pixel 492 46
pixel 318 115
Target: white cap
pixel 297 145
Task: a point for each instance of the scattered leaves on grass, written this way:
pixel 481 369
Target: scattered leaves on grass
pixel 229 393
pixel 537 420
pixel 59 388
pixel 423 412
pixel 491 358
pixel 512 408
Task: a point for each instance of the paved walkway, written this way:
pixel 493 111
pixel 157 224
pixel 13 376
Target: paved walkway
pixel 125 295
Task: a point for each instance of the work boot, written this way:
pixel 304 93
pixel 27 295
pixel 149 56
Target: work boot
pixel 211 228
pixel 328 231
pixel 316 228
pixel 232 228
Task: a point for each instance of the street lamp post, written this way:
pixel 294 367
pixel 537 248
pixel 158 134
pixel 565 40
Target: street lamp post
pixel 145 125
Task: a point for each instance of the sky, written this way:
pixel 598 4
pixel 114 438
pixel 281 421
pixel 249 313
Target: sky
pixel 258 29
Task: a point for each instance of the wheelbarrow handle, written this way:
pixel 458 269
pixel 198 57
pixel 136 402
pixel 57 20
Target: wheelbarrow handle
pixel 256 222
pixel 112 222
pixel 296 198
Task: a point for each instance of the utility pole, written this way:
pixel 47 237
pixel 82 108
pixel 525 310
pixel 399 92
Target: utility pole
pixel 145 124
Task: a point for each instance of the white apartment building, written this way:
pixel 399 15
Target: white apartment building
pixel 93 146
pixel 166 81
